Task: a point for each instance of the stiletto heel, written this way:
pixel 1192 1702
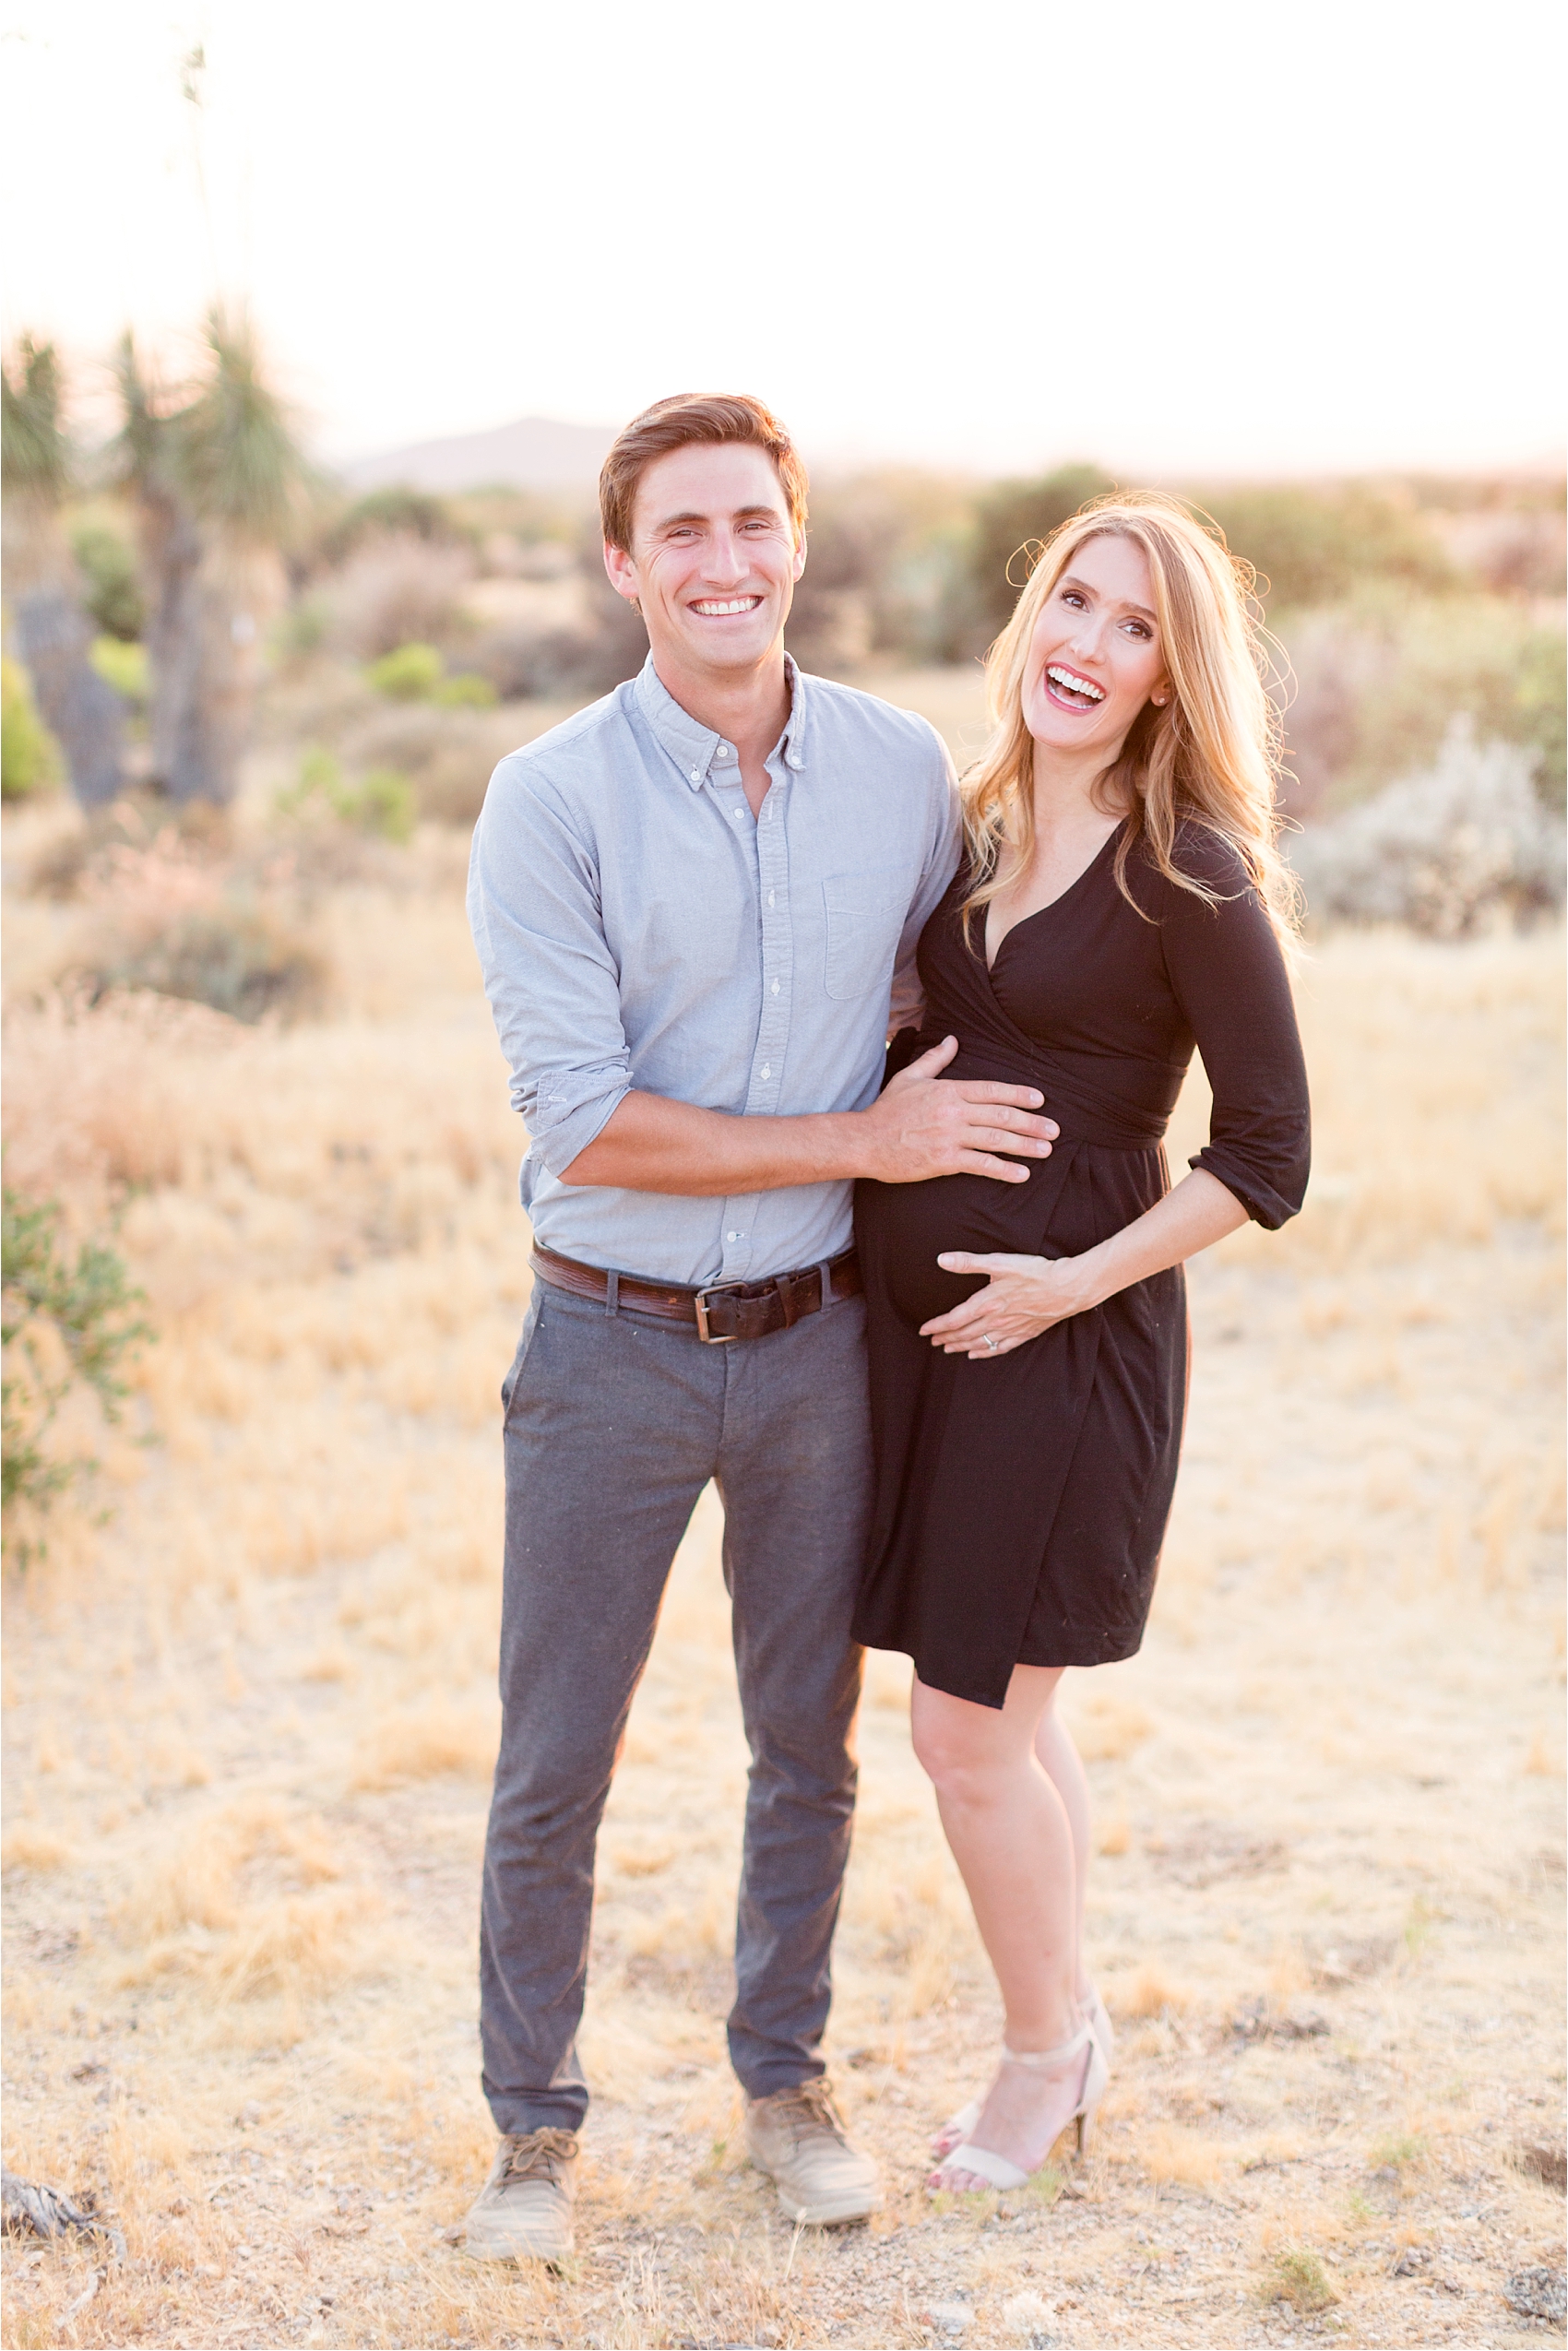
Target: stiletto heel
pixel 996 2169
pixel 958 2126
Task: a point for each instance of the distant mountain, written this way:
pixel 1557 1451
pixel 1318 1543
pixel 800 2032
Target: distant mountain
pixel 534 454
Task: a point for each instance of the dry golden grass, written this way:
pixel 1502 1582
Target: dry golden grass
pixel 249 1719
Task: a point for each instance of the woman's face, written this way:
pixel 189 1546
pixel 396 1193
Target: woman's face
pixel 1095 656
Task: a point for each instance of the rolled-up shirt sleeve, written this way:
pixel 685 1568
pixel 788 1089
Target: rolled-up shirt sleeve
pixel 1227 972
pixel 552 980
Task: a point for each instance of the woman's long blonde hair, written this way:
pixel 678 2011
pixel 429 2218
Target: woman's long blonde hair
pixel 1210 756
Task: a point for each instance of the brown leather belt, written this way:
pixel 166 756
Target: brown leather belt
pixel 722 1311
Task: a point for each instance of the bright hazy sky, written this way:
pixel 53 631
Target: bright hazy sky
pixel 1228 236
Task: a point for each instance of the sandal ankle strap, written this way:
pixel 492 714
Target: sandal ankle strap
pixel 1058 2056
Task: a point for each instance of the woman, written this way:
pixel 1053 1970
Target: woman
pixel 1121 899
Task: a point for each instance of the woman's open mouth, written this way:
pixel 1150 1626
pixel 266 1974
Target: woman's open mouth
pixel 1069 691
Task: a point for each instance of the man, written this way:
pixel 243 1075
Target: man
pixel 693 903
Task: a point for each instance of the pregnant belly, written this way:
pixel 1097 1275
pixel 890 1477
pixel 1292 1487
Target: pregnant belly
pixel 902 1228
pixel 1078 1196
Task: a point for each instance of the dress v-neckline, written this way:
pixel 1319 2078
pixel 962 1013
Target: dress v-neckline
pixel 1051 903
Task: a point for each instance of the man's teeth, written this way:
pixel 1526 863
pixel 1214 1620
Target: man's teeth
pixel 734 604
pixel 1073 685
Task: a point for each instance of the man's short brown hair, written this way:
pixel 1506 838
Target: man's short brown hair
pixel 678 422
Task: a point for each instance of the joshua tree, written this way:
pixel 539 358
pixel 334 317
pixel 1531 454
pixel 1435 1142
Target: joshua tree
pixel 214 468
pixel 52 635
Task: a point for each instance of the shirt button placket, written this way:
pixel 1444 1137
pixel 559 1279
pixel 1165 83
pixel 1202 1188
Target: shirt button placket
pixel 773 1024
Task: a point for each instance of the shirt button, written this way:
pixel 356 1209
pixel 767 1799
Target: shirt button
pixel 775 988
pixel 697 775
pixel 770 898
pixel 734 1236
pixel 766 1070
pixel 726 751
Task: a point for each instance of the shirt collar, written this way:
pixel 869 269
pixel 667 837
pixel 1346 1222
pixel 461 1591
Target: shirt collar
pixel 696 749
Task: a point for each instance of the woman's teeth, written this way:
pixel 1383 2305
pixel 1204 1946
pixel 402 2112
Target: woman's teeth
pixel 716 606
pixel 1066 683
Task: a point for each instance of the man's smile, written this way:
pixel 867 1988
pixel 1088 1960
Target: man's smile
pixel 718 608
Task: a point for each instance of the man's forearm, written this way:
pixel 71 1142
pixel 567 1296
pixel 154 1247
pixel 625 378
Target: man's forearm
pixel 650 1144
pixel 918 1127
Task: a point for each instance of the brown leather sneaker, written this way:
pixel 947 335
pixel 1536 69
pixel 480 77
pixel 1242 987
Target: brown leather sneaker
pixel 524 2211
pixel 797 2135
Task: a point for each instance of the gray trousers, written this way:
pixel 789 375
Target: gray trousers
pixel 614 1423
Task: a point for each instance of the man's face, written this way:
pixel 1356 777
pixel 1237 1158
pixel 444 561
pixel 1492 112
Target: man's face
pixel 714 557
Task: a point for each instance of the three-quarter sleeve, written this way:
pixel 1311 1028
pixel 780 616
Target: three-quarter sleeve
pixel 548 972
pixel 1229 976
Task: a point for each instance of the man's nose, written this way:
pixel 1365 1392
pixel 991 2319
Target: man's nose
pixel 725 561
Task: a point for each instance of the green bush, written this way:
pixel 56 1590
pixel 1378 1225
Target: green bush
pixel 1317 547
pixel 30 756
pixel 65 1322
pixel 410 674
pixel 124 667
pixel 466 691
pixel 382 802
pixel 1009 518
pixel 109 566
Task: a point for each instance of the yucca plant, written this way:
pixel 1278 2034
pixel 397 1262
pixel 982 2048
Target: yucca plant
pixel 215 471
pixel 52 633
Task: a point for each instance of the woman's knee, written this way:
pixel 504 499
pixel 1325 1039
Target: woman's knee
pixel 962 1758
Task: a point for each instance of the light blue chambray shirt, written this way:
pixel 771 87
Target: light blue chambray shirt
pixel 638 927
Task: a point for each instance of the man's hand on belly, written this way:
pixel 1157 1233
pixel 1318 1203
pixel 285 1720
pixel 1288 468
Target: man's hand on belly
pixel 922 1125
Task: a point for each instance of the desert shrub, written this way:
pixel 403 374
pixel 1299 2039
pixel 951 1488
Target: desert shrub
pixel 410 674
pixel 108 565
pixel 124 667
pixel 178 924
pixel 466 691
pixel 1447 850
pixel 1012 516
pixel 1317 546
pixel 239 957
pixel 381 801
pixel 1298 2276
pixel 1376 683
pixel 396 510
pixel 30 756
pixel 397 590
pixel 68 1322
pixel 418 674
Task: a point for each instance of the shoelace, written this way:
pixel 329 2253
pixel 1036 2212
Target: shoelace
pixel 812 2103
pixel 536 2156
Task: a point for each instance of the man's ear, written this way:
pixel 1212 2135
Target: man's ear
pixel 623 573
pixel 799 562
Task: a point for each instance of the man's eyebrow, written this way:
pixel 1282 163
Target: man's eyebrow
pixel 1069 580
pixel 739 513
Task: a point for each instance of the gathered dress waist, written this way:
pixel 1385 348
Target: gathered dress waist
pixel 1084 1111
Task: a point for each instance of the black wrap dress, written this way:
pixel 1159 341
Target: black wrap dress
pixel 1021 1502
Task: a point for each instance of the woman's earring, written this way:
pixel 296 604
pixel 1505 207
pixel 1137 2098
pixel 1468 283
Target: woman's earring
pixel 1161 700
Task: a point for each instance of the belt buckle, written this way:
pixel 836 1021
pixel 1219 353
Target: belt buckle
pixel 713 1338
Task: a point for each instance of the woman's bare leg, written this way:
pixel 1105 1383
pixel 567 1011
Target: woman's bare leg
pixel 1063 1765
pixel 1012 1838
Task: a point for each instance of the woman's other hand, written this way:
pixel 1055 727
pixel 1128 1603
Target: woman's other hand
pixel 1022 1297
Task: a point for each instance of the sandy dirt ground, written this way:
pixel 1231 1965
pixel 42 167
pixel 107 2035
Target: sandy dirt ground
pixel 249 1718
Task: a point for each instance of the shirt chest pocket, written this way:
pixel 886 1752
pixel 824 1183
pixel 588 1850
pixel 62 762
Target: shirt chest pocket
pixel 863 920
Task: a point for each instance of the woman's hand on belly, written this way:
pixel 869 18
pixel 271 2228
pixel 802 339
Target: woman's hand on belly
pixel 1026 1295
pixel 1022 1297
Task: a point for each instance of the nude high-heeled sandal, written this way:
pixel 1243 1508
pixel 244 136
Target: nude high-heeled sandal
pixel 1097 2073
pixel 958 2126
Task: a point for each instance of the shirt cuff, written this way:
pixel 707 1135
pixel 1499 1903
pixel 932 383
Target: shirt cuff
pixel 570 1111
